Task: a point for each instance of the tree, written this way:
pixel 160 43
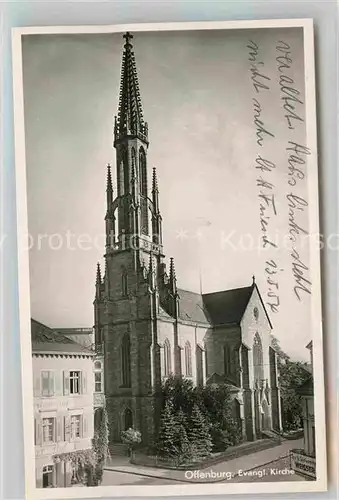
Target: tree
pixel 101 446
pixel 216 408
pixel 182 442
pixel 282 356
pixel 291 376
pixel 216 405
pixel 167 439
pixel 199 434
pixel 181 391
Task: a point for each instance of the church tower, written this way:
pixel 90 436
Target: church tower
pixel 127 296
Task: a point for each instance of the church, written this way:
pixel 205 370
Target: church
pixel 148 328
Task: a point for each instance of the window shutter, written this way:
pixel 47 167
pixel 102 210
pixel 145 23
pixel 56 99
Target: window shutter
pixel 38 432
pixel 59 434
pixel 37 384
pixel 45 383
pixel 83 423
pixel 58 384
pixel 66 383
pixel 83 376
pixel 67 428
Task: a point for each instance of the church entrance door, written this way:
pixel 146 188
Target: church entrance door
pixel 128 419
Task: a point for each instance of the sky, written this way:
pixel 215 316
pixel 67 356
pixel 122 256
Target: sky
pixel 197 93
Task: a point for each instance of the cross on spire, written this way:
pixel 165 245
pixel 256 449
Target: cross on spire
pixel 127 36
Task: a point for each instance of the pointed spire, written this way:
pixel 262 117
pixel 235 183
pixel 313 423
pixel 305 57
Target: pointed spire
pixel 98 282
pixel 155 192
pixel 109 187
pixel 154 181
pixel 130 117
pixel 172 277
pixel 109 191
pixel 98 277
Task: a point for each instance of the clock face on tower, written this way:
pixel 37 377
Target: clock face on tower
pixel 256 313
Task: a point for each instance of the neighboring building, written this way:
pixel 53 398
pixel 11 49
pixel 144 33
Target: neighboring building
pixel 85 337
pixel 82 336
pixel 305 462
pixel 63 402
pixel 148 327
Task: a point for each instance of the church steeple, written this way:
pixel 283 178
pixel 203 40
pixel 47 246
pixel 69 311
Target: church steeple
pixel 130 120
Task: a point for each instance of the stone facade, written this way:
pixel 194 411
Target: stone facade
pixel 63 403
pixel 148 327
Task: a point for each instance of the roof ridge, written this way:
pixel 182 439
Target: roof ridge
pixel 249 287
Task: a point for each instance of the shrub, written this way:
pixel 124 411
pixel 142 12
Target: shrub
pixel 131 437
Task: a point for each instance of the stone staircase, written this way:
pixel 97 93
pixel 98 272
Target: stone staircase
pixel 118 450
pixel 272 435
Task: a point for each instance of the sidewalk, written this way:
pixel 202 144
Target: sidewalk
pixel 245 463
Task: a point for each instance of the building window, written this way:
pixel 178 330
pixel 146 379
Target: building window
pixel 98 386
pixel 167 358
pixel 47 383
pixel 126 361
pixel 97 382
pixel 188 360
pixel 75 427
pixel 48 430
pixel 74 382
pixel 47 476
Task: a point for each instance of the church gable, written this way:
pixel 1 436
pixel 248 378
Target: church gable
pixel 255 311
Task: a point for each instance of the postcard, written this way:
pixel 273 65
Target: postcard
pixel 169 259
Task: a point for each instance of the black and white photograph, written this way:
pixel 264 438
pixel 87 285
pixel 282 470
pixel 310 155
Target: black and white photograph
pixel 169 251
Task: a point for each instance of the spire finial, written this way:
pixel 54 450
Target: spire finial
pixel 253 280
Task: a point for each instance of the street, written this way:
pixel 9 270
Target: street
pixel 270 465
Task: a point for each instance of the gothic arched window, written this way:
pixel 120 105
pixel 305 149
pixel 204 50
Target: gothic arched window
pixel 134 162
pixel 143 190
pixel 143 172
pixel 125 167
pixel 258 361
pixel 124 283
pixel 188 360
pixel 200 366
pixel 227 360
pixel 167 358
pixel 126 360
